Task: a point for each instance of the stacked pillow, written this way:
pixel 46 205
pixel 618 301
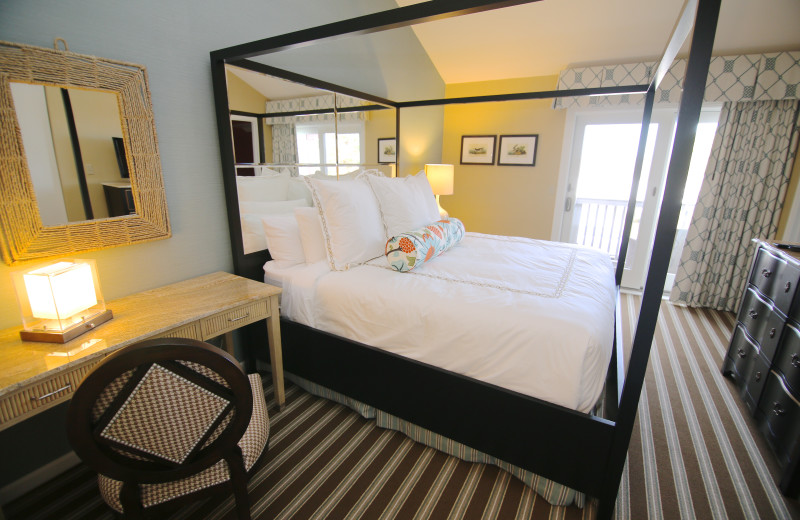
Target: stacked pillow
pixel 352 221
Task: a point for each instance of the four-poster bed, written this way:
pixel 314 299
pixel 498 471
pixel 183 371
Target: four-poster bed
pixel 582 451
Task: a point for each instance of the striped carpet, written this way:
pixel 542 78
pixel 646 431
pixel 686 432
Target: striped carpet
pixel 694 454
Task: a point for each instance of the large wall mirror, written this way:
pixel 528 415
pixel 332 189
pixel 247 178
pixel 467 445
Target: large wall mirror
pixel 79 154
pixel 291 131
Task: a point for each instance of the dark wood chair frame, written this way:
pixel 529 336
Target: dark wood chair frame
pixel 101 455
pixel 582 451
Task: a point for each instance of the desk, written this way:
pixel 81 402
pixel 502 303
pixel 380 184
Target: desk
pixel 36 376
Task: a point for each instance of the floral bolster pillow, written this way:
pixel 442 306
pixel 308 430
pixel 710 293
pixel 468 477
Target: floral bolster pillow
pixel 413 248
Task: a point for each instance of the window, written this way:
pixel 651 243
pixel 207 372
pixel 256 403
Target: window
pixel 316 146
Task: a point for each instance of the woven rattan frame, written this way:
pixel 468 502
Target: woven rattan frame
pixel 22 235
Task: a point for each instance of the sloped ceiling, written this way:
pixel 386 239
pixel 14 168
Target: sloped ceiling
pixel 545 37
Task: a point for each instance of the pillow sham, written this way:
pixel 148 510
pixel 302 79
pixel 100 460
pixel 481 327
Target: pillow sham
pixel 251 212
pixel 404 202
pixel 409 250
pixel 263 188
pixel 310 234
pixel 283 238
pixel 351 222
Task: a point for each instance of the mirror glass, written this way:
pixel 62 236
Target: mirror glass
pixel 75 152
pixel 283 131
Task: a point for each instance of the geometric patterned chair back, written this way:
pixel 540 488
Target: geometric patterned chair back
pixel 160 410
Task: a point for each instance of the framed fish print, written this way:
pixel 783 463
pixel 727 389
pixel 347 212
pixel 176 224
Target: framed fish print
pixel 477 149
pixel 517 150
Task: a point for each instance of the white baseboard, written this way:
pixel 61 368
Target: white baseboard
pixel 38 477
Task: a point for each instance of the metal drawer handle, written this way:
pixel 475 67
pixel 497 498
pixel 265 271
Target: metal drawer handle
pixel 240 317
pixel 54 392
pixel 795 360
pixel 758 376
pixel 772 332
pixel 788 287
pixel 753 314
pixel 766 272
pixel 742 353
pixel 778 409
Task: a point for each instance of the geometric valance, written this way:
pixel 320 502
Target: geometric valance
pixel 325 101
pixel 747 77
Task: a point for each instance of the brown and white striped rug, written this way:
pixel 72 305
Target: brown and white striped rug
pixel 694 454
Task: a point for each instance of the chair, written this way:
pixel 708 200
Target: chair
pixel 166 419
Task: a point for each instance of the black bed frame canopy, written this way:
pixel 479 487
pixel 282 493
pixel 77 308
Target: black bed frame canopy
pixel 582 451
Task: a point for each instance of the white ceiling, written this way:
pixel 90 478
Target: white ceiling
pixel 545 37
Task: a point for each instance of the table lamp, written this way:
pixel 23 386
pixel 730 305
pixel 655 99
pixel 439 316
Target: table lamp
pixel 59 301
pixel 440 177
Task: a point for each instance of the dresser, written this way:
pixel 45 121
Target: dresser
pixel 763 358
pixel 35 376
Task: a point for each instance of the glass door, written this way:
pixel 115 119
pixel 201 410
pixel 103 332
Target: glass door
pixel 600 174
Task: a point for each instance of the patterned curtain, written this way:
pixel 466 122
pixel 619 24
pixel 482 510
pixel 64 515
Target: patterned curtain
pixel 284 144
pixel 741 198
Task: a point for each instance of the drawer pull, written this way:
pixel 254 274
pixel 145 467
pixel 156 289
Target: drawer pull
pixel 753 314
pixel 788 287
pixel 742 353
pixel 54 392
pixel 778 409
pixel 240 317
pixel 758 376
pixel 795 360
pixel 766 272
pixel 772 332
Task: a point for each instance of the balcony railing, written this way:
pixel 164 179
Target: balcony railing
pixel 598 223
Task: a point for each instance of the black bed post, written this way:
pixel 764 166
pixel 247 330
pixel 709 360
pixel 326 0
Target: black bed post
pixel 637 175
pixel 688 116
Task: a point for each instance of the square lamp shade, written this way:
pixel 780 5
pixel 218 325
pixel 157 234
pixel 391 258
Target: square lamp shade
pixel 440 177
pixel 59 301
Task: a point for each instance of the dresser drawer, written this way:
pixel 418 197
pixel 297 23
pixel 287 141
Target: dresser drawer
pixel 761 321
pixel 32 399
pixel 784 285
pixel 788 358
pixel 223 322
pixel 741 351
pixel 779 418
pixel 764 269
pixel 753 380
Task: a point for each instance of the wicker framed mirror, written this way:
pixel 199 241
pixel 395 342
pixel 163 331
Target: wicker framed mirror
pixel 23 235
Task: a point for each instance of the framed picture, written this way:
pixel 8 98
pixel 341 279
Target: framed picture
pixel 477 149
pixel 387 150
pixel 517 150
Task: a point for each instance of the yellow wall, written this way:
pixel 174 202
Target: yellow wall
pixel 379 124
pixel 245 98
pixel 505 200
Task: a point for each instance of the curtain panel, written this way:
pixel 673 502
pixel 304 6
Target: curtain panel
pixel 741 198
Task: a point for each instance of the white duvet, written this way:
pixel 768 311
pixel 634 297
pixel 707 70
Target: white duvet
pixel 531 316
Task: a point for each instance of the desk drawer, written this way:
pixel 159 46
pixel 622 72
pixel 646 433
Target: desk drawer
pixel 16 407
pixel 223 322
pixel 740 352
pixel 191 331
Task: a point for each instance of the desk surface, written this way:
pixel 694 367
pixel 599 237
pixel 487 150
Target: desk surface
pixel 136 317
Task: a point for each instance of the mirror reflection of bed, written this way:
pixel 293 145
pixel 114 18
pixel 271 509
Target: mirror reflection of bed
pixel 508 345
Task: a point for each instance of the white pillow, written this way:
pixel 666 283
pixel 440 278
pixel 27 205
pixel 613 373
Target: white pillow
pixel 251 212
pixel 405 203
pixel 299 190
pixel 351 221
pixel 271 207
pixel 283 238
pixel 263 188
pixel 310 234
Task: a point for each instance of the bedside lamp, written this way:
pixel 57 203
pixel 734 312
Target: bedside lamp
pixel 59 301
pixel 440 177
